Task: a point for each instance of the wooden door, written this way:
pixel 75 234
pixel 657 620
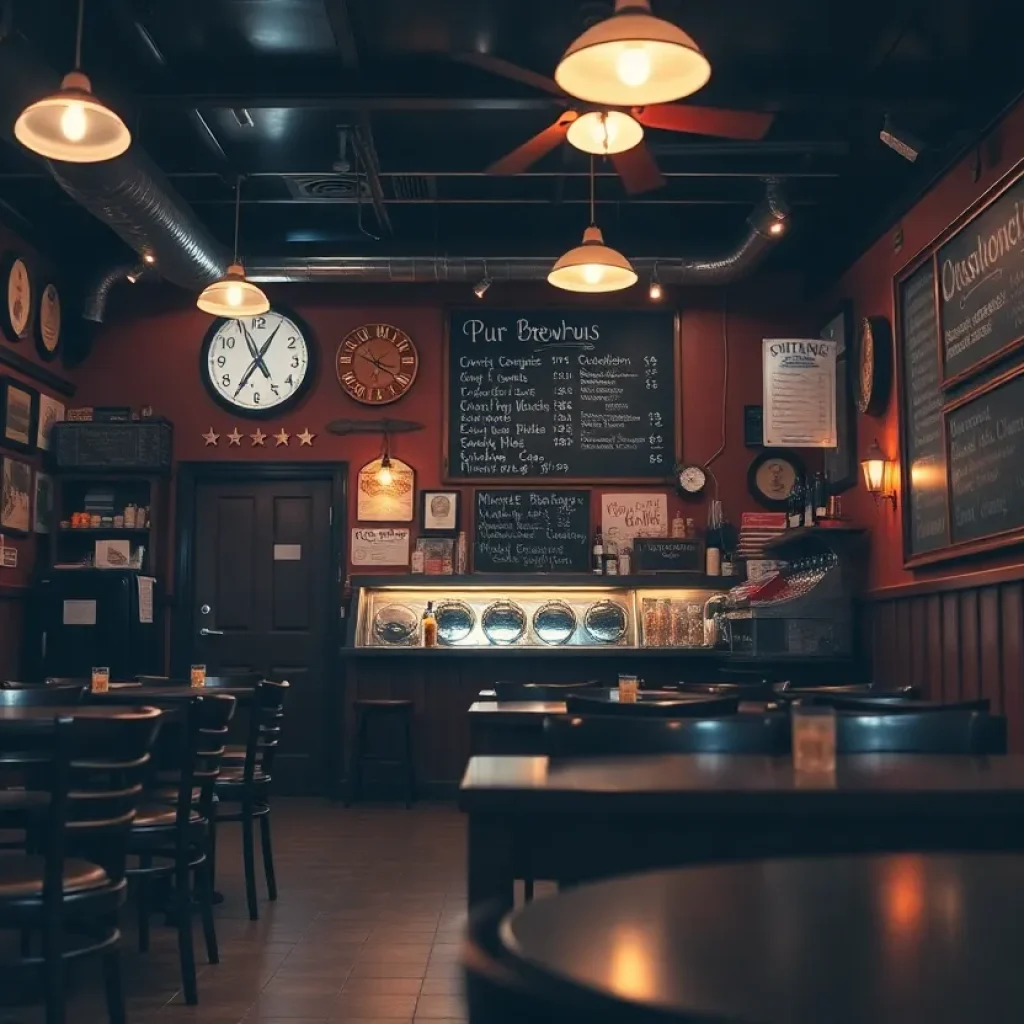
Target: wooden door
pixel 264 589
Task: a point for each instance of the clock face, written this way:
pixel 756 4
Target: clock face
pixel 48 322
pixel 18 305
pixel 377 364
pixel 692 479
pixel 257 366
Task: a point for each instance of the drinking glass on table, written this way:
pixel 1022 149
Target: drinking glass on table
pixel 628 688
pixel 814 738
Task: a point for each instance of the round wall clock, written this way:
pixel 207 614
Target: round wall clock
pixel 772 476
pixel 874 365
pixel 690 480
pixel 48 322
pixel 377 364
pixel 257 366
pixel 16 309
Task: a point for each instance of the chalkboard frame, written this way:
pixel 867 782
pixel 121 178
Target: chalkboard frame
pixel 928 253
pixel 554 481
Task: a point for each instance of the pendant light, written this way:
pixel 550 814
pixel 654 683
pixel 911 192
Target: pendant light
pixel 632 59
pixel 592 266
pixel 233 296
pixel 605 132
pixel 72 125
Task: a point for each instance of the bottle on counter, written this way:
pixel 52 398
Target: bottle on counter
pixel 625 561
pixel 429 626
pixel 678 525
pixel 611 559
pixel 598 553
pixel 821 490
pixel 809 519
pixel 691 528
pixel 713 541
pixel 795 514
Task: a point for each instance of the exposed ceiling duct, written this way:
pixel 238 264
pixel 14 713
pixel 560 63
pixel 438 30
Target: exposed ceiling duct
pixel 129 193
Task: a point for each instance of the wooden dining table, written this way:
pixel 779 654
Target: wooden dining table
pixel 170 694
pixel 577 819
pixel 897 939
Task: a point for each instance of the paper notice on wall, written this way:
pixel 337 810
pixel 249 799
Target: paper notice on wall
pixel 385 546
pixel 79 613
pixel 627 516
pixel 146 598
pixel 799 393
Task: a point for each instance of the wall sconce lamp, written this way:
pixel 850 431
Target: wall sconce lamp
pixel 384 475
pixel 878 474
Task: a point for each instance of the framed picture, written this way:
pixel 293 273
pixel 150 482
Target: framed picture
pixel 19 410
pixel 42 503
pixel 15 496
pixel 439 513
pixel 841 461
pixel 50 412
pixel 772 476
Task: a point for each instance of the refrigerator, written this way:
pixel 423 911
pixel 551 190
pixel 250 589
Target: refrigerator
pixel 83 618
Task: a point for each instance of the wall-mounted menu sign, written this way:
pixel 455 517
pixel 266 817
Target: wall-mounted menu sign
pixel 924 457
pixel 986 463
pixel 669 554
pixel 561 394
pixel 981 287
pixel 799 393
pixel 531 531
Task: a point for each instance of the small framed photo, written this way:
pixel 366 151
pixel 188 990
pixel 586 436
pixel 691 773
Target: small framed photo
pixel 439 513
pixel 42 505
pixel 19 411
pixel 15 496
pixel 51 412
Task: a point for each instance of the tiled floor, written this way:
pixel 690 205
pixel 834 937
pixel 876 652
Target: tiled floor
pixel 366 928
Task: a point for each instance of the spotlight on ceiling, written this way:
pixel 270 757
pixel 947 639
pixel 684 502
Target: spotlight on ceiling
pixel 243 118
pixel 136 272
pixel 480 288
pixel 908 146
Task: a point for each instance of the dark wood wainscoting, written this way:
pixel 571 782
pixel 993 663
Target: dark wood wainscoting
pixel 12 629
pixel 958 639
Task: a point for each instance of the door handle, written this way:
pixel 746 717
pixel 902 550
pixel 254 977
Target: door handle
pixel 211 632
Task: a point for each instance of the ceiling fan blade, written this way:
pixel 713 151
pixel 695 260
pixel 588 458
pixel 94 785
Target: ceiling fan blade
pixel 533 149
pixel 506 69
pixel 637 169
pixel 726 124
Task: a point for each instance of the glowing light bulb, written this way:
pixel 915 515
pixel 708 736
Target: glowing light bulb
pixel 384 474
pixel 73 123
pixel 604 131
pixel 592 273
pixel 234 295
pixel 655 290
pixel 776 228
pixel 633 66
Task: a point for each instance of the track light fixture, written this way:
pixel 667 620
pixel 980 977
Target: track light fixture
pixel 900 141
pixel 654 291
pixel 480 288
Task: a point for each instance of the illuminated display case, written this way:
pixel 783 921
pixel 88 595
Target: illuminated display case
pixel 543 613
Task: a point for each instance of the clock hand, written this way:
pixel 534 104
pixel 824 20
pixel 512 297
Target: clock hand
pixel 254 352
pixel 262 352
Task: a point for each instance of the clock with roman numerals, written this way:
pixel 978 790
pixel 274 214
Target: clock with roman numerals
pixel 377 364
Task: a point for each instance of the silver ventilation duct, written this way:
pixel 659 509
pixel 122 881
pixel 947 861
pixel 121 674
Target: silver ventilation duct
pixel 128 194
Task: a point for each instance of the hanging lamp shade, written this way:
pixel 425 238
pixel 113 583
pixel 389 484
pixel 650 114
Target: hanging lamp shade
pixel 592 267
pixel 72 125
pixel 605 132
pixel 233 296
pixel 632 59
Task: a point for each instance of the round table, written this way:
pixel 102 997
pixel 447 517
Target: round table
pixel 39 720
pixel 900 939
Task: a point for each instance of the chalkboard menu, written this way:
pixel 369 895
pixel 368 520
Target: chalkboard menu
pixel 532 531
pixel 981 286
pixel 113 446
pixel 564 394
pixel 986 462
pixel 924 457
pixel 669 554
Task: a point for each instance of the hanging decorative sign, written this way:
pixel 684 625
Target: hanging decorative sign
pixel 799 393
pixel 380 546
pixel 627 516
pixel 384 497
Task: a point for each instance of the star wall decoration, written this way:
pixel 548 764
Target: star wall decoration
pixel 211 437
pixel 281 437
pixel 258 438
pixel 305 437
pixel 234 438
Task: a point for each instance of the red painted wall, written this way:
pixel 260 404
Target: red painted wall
pixel 869 284
pixel 148 354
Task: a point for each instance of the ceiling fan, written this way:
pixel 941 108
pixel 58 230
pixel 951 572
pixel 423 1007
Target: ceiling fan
pixel 601 130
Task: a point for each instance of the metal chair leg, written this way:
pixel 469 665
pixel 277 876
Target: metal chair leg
pixel 268 856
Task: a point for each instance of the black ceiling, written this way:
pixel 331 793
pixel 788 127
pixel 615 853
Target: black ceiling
pixel 214 88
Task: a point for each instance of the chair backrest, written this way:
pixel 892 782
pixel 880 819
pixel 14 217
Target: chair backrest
pixel 541 691
pixel 697 707
pixel 40 696
pixel 266 723
pixel 160 681
pixel 926 732
pixel 603 736
pixel 234 679
pixel 894 705
pixel 827 694
pixel 67 681
pixel 743 690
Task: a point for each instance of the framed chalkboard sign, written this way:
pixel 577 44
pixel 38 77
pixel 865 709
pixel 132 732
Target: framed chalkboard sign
pixel 668 554
pixel 562 395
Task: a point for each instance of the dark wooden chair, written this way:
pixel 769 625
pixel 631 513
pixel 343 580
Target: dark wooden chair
pixel 171 832
pixel 604 736
pixel 40 696
pixel 927 732
pixel 698 707
pixel 243 791
pixel 886 704
pixel 821 694
pixel 541 691
pixel 380 715
pixel 67 889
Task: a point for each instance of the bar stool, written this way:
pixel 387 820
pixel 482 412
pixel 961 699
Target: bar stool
pixel 391 716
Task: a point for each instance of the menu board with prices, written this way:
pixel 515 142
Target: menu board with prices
pixel 925 524
pixel 561 394
pixel 531 531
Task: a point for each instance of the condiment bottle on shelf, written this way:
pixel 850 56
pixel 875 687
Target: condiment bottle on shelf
pixel 625 561
pixel 598 553
pixel 678 525
pixel 429 626
pixel 611 559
